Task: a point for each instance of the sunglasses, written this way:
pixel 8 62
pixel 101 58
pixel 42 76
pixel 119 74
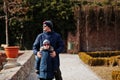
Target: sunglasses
pixel 46 44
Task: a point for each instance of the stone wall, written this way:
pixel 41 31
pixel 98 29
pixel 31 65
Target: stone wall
pixel 2 60
pixel 21 72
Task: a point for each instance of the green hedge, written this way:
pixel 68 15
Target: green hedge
pixel 115 75
pixel 85 57
pixel 104 53
pixel 106 58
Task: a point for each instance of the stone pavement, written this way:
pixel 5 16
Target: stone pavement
pixel 72 69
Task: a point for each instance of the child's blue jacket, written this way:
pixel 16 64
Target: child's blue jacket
pixel 47 65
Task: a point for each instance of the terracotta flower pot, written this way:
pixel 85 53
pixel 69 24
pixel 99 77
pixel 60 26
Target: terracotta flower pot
pixel 12 51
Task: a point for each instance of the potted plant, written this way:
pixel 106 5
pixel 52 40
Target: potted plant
pixel 11 51
pixel 12 54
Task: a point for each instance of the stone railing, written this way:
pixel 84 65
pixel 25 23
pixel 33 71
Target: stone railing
pixel 21 72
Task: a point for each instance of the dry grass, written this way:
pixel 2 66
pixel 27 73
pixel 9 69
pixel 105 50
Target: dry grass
pixel 104 72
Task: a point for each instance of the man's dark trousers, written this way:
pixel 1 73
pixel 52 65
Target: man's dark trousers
pixel 58 74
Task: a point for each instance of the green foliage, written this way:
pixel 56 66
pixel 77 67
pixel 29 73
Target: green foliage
pixel 60 12
pixel 24 25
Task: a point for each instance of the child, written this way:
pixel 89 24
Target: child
pixel 47 65
pixel 37 64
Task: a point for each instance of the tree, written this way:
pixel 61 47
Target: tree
pixel 59 11
pixel 14 10
pixel 26 22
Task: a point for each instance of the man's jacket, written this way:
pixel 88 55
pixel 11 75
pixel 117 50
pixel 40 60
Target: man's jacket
pixel 55 41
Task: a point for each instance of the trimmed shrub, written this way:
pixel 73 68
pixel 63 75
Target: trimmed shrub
pixel 103 58
pixel 85 57
pixel 115 75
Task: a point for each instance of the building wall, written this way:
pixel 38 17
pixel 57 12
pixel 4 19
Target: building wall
pixel 99 29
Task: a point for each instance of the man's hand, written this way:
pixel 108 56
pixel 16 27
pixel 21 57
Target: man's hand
pixel 39 54
pixel 53 54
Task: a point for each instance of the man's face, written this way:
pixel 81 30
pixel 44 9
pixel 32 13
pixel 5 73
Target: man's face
pixel 46 29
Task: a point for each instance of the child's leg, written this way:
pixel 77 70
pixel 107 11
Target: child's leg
pixel 37 63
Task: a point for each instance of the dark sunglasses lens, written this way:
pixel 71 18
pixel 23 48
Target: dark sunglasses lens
pixel 46 44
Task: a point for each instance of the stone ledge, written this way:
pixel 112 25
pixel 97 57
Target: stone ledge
pixel 21 72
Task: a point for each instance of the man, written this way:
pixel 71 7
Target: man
pixel 56 42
